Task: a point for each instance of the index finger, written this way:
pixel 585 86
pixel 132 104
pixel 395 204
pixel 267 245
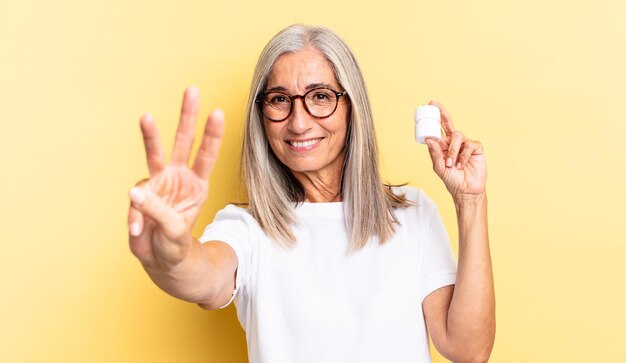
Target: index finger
pixel 446 119
pixel 211 139
pixel 154 150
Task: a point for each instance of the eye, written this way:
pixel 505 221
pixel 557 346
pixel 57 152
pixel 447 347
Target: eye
pixel 321 96
pixel 277 98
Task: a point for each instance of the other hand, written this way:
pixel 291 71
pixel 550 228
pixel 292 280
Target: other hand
pixel 164 207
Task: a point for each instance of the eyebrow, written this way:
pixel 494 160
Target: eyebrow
pixel 307 88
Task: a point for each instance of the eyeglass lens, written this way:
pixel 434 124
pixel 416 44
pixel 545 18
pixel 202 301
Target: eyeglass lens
pixel 319 102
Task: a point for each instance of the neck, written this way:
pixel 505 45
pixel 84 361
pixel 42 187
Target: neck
pixel 319 188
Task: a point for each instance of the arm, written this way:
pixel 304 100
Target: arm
pixel 205 277
pixel 461 318
pixel 165 207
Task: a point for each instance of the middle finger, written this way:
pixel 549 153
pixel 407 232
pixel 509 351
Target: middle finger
pixel 186 131
pixel 207 154
pixel 456 140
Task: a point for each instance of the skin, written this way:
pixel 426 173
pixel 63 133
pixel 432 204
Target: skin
pixel 461 318
pixel 317 168
pixel 164 208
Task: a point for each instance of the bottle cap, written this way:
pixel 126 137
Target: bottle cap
pixel 427 111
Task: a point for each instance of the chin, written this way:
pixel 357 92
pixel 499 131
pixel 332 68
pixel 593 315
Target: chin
pixel 302 168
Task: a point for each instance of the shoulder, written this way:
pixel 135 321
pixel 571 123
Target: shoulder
pixel 418 198
pixel 421 209
pixel 233 212
pixel 232 222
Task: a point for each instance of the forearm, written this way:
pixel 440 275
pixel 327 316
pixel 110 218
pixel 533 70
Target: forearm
pixel 191 280
pixel 471 316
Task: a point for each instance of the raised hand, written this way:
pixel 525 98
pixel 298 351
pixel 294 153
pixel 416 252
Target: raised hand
pixel 165 207
pixel 457 160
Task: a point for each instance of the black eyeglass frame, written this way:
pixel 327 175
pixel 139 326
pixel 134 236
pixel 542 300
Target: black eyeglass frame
pixel 259 100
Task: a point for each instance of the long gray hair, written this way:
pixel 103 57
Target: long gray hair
pixel 271 187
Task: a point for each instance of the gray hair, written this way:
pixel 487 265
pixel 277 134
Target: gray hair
pixel 271 187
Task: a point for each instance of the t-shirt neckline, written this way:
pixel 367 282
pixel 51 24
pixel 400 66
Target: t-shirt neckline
pixel 320 209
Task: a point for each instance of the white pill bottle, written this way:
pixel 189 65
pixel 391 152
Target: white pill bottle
pixel 427 123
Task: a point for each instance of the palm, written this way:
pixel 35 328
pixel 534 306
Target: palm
pixel 181 189
pixel 176 192
pixel 184 192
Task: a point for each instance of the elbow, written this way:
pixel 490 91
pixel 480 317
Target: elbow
pixel 467 357
pixel 218 300
pixel 208 306
pixel 476 355
pixel 212 304
pixel 477 359
pixel 480 360
pixel 474 352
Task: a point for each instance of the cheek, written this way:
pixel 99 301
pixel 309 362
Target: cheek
pixel 273 137
pixel 341 130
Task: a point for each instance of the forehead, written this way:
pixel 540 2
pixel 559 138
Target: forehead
pixel 296 71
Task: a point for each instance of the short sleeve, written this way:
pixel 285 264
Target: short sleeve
pixel 233 226
pixel 438 263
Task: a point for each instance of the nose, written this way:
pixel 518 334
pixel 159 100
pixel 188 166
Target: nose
pixel 299 121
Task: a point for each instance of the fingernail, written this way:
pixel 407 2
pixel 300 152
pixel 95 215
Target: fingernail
pixel 218 113
pixel 134 229
pixel 137 195
pixel 458 165
pixel 449 162
pixel 192 91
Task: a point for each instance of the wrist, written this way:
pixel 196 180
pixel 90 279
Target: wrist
pixel 462 199
pixel 178 258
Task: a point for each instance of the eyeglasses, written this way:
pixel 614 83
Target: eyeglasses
pixel 318 102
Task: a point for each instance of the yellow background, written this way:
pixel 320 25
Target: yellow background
pixel 541 84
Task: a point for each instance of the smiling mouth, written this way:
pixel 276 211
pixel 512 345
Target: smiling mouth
pixel 304 144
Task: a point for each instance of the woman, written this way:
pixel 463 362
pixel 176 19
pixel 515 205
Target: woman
pixel 327 264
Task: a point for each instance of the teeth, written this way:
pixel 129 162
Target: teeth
pixel 305 143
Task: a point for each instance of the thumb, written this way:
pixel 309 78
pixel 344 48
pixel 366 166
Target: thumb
pixel 151 205
pixel 436 155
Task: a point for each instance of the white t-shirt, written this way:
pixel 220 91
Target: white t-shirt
pixel 316 303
